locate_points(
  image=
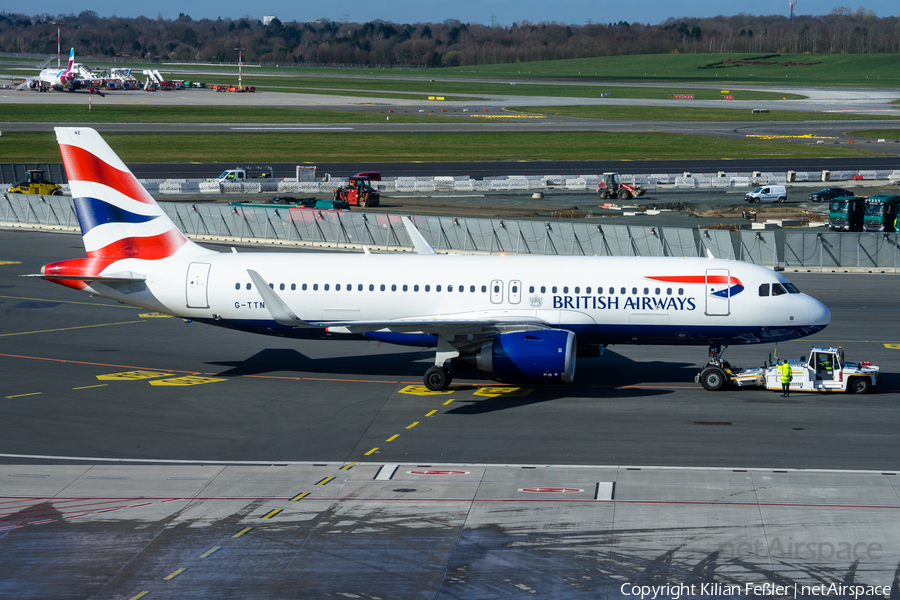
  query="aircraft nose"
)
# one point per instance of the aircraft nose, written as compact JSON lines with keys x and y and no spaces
{"x":818,"y":313}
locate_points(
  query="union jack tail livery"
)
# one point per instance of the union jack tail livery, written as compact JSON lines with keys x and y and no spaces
{"x":119,"y":220}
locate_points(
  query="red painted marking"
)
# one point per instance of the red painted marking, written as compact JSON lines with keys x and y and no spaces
{"x":550,"y":490}
{"x":81,"y":165}
{"x":431,"y":472}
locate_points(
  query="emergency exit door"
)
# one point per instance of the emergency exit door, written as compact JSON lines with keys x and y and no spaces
{"x":197,"y":280}
{"x":718,"y":292}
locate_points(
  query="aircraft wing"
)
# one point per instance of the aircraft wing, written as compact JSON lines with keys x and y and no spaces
{"x":436,"y":326}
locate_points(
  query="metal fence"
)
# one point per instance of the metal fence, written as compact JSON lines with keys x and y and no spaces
{"x":283,"y":225}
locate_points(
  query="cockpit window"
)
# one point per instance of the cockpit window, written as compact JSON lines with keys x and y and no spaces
{"x":764,"y":289}
{"x":790,"y":287}
{"x":777,"y":290}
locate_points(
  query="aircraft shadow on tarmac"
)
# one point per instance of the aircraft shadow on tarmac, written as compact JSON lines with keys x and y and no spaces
{"x":275,"y":360}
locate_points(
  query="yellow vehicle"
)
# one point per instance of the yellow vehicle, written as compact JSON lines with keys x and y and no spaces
{"x":36,"y":184}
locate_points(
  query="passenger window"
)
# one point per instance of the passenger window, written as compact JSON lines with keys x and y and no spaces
{"x":405,"y":287}
{"x":427,"y":288}
{"x":587,"y":290}
{"x":349,"y":287}
{"x":359,"y":288}
{"x":293,"y":287}
{"x":281,"y":286}
{"x":553,"y":289}
{"x":382,"y":287}
{"x":543,"y":289}
{"x":371,"y":287}
{"x":272,"y":286}
{"x":600,"y":290}
{"x":315,"y":287}
{"x":393,"y":287}
{"x":577,"y":290}
{"x":565,"y":289}
{"x":530,"y":289}
{"x":634,"y":291}
{"x":515,"y":289}
{"x":437,"y":288}
{"x":777,"y":290}
{"x":304,"y":287}
{"x":483,"y":289}
{"x":764,"y":289}
{"x":237,"y":286}
{"x":326,"y":287}
{"x":657,"y":291}
{"x":416,"y":288}
{"x":622,"y":290}
{"x":646,"y":291}
{"x":449,"y":288}
{"x":668,"y":291}
{"x":337,"y":287}
{"x":248,"y":286}
{"x":681,"y":291}
{"x":472,"y":288}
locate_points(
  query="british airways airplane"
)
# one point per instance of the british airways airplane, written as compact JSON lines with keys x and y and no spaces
{"x":521,"y":318}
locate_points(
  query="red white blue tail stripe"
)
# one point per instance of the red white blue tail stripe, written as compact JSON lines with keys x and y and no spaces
{"x":118,"y":218}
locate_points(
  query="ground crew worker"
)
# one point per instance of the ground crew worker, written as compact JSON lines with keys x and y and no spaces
{"x":786,"y":374}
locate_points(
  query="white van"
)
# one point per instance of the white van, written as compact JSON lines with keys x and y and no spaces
{"x":767,"y":193}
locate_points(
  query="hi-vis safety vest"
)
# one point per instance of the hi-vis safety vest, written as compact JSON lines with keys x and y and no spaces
{"x":785,"y":373}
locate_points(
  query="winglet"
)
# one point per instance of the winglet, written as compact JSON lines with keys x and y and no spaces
{"x":280,"y":311}
{"x":421,"y":244}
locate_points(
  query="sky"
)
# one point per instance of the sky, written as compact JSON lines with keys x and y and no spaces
{"x":503,"y":12}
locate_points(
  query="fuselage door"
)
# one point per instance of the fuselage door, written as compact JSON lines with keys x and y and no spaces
{"x":197,"y":279}
{"x":496,"y":291}
{"x":718,"y":292}
{"x":515,"y":292}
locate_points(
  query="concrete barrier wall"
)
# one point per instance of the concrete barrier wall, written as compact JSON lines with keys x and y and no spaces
{"x":792,"y":249}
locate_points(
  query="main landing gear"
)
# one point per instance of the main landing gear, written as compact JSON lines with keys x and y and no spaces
{"x":437,"y":379}
{"x":713,"y":377}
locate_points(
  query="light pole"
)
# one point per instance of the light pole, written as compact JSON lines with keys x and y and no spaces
{"x":240,"y":64}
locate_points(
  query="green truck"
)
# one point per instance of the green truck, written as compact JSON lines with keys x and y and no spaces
{"x":881,"y":213}
{"x":846,"y":213}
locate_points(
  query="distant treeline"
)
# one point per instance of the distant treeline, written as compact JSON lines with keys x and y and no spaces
{"x":450,"y":43}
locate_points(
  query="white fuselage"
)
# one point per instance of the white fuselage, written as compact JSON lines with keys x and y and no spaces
{"x":602,"y":299}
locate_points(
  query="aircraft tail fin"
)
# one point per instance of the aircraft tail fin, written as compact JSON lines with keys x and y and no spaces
{"x":71,"y":61}
{"x":118,"y":218}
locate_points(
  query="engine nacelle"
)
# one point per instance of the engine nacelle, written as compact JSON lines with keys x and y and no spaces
{"x":541,"y":355}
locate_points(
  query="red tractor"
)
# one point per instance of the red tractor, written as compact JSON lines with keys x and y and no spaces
{"x":610,"y":187}
{"x":359,"y":191}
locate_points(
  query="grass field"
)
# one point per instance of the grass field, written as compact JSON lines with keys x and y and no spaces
{"x":887,"y":134}
{"x":328,"y":147}
{"x":30,"y":113}
{"x":871,"y":70}
{"x":677,"y":113}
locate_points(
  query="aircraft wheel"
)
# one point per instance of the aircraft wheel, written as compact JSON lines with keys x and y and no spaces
{"x":713,"y":379}
{"x":624,"y":195}
{"x":437,"y":379}
{"x":858,"y":385}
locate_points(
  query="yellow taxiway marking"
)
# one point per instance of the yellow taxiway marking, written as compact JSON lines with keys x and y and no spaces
{"x":210,"y":551}
{"x":272,"y":513}
{"x":87,"y":387}
{"x":69,"y":328}
{"x":299,"y":496}
{"x":132,"y":375}
{"x":10,"y":262}
{"x":413,"y":425}
{"x":509,"y":392}
{"x":421,"y":390}
{"x":141,"y":595}
{"x":154,"y":315}
{"x":188,"y":380}
{"x":347,"y":467}
{"x":393,"y":437}
{"x":242,"y":532}
{"x":67,"y":302}
{"x":892,"y":346}
{"x":372,"y":451}
{"x":31,"y":394}
{"x":448,"y":401}
{"x":174,"y":574}
{"x":431,"y":413}
{"x":326,"y":480}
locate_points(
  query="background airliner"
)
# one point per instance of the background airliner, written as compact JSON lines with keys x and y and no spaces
{"x":54,"y":78}
{"x":522,"y":318}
